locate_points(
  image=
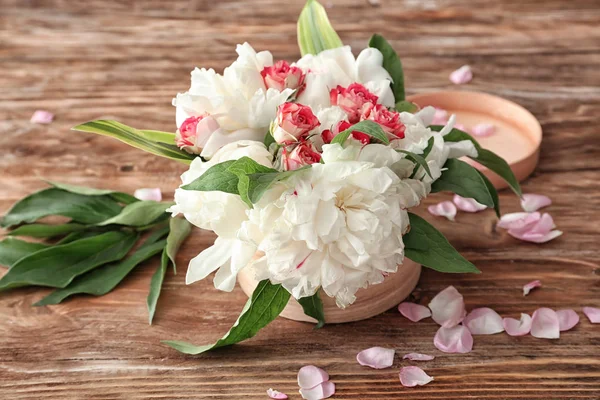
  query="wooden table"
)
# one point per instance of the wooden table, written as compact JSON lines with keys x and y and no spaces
{"x":126,"y":60}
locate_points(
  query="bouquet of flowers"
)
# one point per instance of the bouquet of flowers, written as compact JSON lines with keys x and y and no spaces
{"x":307,"y":173}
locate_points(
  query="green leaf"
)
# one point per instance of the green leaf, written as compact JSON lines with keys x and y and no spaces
{"x":139,"y":214}
{"x":266,"y":303}
{"x":12,"y":250}
{"x":53,"y":201}
{"x":156,"y":285}
{"x":46,"y":230}
{"x":417,"y":159}
{"x":485,"y":157}
{"x":244,"y":167}
{"x":464,"y":180}
{"x":135,"y":138}
{"x":88,"y":191}
{"x":371,"y":128}
{"x":260,"y":182}
{"x":427,"y":246}
{"x":313,"y":307}
{"x":391,"y":63}
{"x":158,"y":136}
{"x":58,"y":265}
{"x":180,"y":228}
{"x":216,"y":178}
{"x":315,"y":32}
{"x":493,"y":192}
{"x":407,"y":106}
{"x":71,"y":237}
{"x":268,"y":140}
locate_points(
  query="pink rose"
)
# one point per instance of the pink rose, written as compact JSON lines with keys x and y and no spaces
{"x":355,"y":100}
{"x":388,"y":120}
{"x":194,"y":132}
{"x":294,"y":122}
{"x":303,"y":154}
{"x":283,"y":76}
{"x":328,"y":134}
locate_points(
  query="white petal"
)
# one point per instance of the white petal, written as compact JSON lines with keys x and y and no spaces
{"x":310,"y":376}
{"x":467,"y":205}
{"x":417,"y":357}
{"x":153,"y":194}
{"x":532,"y":202}
{"x":545,"y":324}
{"x":209,"y":260}
{"x":376,"y":357}
{"x":444,"y":209}
{"x":531,"y":285}
{"x":567,"y":319}
{"x":414,"y":376}
{"x":515,"y":327}
{"x":461,"y":149}
{"x":448,"y":307}
{"x":414,"y":312}
{"x":457,"y":339}
{"x":483,"y":321}
{"x":321,"y":391}
{"x":593,"y":314}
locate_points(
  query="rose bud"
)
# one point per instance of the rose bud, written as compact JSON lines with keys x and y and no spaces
{"x":194,"y":132}
{"x":283,"y":76}
{"x":328,"y":134}
{"x":294,"y":122}
{"x":388,"y":120}
{"x":355,"y":100}
{"x":303,"y":154}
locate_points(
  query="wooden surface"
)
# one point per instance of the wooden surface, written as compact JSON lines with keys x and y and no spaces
{"x":126,"y":60}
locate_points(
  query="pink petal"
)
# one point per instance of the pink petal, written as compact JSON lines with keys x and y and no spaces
{"x":593,"y":314}
{"x":414,"y":312}
{"x":567,"y":319}
{"x":530,"y":230}
{"x":444,"y":209}
{"x":274,"y":394}
{"x":468,"y":205}
{"x":515,"y":327}
{"x":531,"y":285}
{"x":376,"y":357}
{"x":483,"y":130}
{"x":41,"y":117}
{"x":321,"y":391}
{"x":310,"y":376}
{"x":414,"y":376}
{"x":533,"y":202}
{"x":483,"y":321}
{"x":519,"y":220}
{"x":535,"y":237}
{"x":461,"y":75}
{"x":440,"y":117}
{"x":148,"y":194}
{"x":461,"y":127}
{"x":544,"y":324}
{"x":417,"y":357}
{"x":448,"y":307}
{"x":457,"y":339}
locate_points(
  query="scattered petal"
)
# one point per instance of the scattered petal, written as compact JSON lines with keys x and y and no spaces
{"x":484,"y":321}
{"x":444,"y":209}
{"x":321,"y":391}
{"x":461,"y":75}
{"x":41,"y":117}
{"x":530,"y":286}
{"x":544,"y":324}
{"x":567,"y":319}
{"x":414,"y":312}
{"x":414,"y":376}
{"x":148,"y":194}
{"x":310,"y":376}
{"x":468,"y":205}
{"x":440,"y":117}
{"x":417,"y":357}
{"x":593,"y":314}
{"x":533,"y":202}
{"x":457,"y":339}
{"x":530,"y":227}
{"x":274,"y":394}
{"x":376,"y":357}
{"x":460,"y":127}
{"x":519,"y":220}
{"x":515,"y":327}
{"x":483,"y":130}
{"x":448,"y":307}
{"x":535,"y":237}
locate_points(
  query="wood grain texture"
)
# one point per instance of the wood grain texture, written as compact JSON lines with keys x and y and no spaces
{"x":126,"y":60}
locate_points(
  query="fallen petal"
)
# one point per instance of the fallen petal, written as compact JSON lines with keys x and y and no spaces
{"x":483,"y":130}
{"x":593,"y":314}
{"x":148,"y":194}
{"x":468,"y":205}
{"x":567,"y":319}
{"x":440,"y":117}
{"x":414,"y":376}
{"x":544,"y":324}
{"x":321,"y":391}
{"x":444,"y":209}
{"x":483,"y":321}
{"x":414,"y":312}
{"x":515,"y":327}
{"x":533,"y":202}
{"x":457,"y":339}
{"x":274,"y":394}
{"x":519,"y":220}
{"x":460,"y":127}
{"x":543,"y":226}
{"x":310,"y":376}
{"x":376,"y":357}
{"x":461,"y":75}
{"x":535,"y":237}
{"x":448,"y":307}
{"x":417,"y":357}
{"x":41,"y":117}
{"x":530,"y":286}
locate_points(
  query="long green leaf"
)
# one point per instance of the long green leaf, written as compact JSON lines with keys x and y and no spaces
{"x":57,"y":266}
{"x":156,"y":285}
{"x":121,"y":197}
{"x":244,"y":167}
{"x":392,"y":64}
{"x":260,"y":182}
{"x":417,"y":159}
{"x":315,"y":32}
{"x":427,"y":246}
{"x":12,"y":250}
{"x":493,"y":192}
{"x":371,"y":128}
{"x":158,"y":136}
{"x":46,"y":230}
{"x":462,"y":179}
{"x":139,"y":214}
{"x":313,"y":307}
{"x":266,"y":303}
{"x":216,"y":178}
{"x":180,"y":229}
{"x":407,"y":106}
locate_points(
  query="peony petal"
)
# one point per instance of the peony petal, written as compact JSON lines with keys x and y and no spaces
{"x":567,"y":319}
{"x":467,"y":205}
{"x":41,"y":117}
{"x":461,"y":75}
{"x":417,"y":357}
{"x":321,"y":391}
{"x":484,"y":321}
{"x":530,"y":286}
{"x":519,"y":220}
{"x":148,"y":194}
{"x":448,"y":307}
{"x":457,"y":339}
{"x":376,"y":357}
{"x":310,"y":376}
{"x":544,"y":324}
{"x":444,"y":209}
{"x":535,"y":237}
{"x":414,"y":312}
{"x":483,"y":130}
{"x":533,"y":202}
{"x":414,"y":376}
{"x":274,"y":394}
{"x":515,"y":327}
{"x":593,"y":314}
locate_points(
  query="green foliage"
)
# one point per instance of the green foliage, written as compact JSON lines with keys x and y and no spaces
{"x":393,"y":65}
{"x":12,"y":250}
{"x":371,"y":128}
{"x":464,"y":180}
{"x":313,"y":307}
